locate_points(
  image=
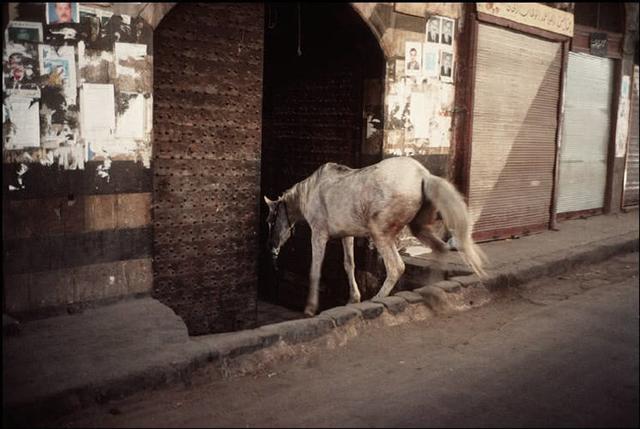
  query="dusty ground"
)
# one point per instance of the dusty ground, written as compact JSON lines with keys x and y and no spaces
{"x":557,"y":352}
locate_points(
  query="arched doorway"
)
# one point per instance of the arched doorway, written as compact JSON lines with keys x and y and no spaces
{"x":211,"y":153}
{"x":323,"y":78}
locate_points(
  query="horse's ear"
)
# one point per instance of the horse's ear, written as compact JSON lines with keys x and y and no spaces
{"x":268,"y":201}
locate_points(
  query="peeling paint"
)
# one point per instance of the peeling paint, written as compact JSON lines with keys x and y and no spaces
{"x":103,"y":170}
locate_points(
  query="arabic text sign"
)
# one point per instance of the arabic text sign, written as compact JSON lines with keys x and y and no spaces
{"x":532,"y":14}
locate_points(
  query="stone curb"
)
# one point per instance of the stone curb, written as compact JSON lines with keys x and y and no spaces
{"x":441,"y":297}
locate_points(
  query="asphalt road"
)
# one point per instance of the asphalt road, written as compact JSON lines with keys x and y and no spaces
{"x":558,"y":352}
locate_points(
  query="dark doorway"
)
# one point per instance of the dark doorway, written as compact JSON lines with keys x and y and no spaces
{"x":321,"y":62}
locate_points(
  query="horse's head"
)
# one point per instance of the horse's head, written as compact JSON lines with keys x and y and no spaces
{"x":280,"y":228}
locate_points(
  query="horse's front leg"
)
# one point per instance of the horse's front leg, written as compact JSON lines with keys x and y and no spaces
{"x":318,"y":244}
{"x":349,"y":267}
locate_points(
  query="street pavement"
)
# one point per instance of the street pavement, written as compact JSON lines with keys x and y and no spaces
{"x":560,"y":351}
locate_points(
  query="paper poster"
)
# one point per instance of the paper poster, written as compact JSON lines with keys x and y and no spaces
{"x":447,"y":31}
{"x":62,"y":13}
{"x":433,"y":29}
{"x":419,"y":117}
{"x":23,"y":32}
{"x":97,"y":116}
{"x":60,"y":64}
{"x":24,"y":128}
{"x":20,"y":73}
{"x":431,"y":60}
{"x":446,"y":66}
{"x":131,"y":122}
{"x":413,"y":58}
{"x":132,"y":70}
{"x":622,"y":125}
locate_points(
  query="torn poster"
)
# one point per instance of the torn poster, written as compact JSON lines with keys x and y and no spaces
{"x":94,"y":66}
{"x":23,"y":127}
{"x":60,"y":65}
{"x":23,"y":32}
{"x":622,"y":128}
{"x":130,"y":122}
{"x":20,"y":74}
{"x":419,"y":117}
{"x":133,"y":68}
{"x":97,"y":117}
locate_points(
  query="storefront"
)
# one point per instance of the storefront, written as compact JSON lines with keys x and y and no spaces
{"x":630,"y":195}
{"x":589,"y":114}
{"x":516,"y":72}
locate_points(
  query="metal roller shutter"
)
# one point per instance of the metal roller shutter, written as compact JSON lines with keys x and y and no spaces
{"x":514,"y":132}
{"x":631,"y":170}
{"x":586,"y":133}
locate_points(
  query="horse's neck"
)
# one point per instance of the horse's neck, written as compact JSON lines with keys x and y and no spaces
{"x":295,"y":198}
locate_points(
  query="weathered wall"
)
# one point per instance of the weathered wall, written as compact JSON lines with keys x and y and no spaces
{"x":76,"y":168}
{"x":207,"y":139}
{"x":418,"y":104}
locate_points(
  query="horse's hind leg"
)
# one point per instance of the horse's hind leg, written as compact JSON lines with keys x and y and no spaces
{"x":393,"y":264}
{"x":349,"y":267}
{"x":421,"y":229}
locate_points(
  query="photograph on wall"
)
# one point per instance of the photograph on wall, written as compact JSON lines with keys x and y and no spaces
{"x":62,"y":13}
{"x":446,"y":66}
{"x":447,"y":31}
{"x":23,"y":32}
{"x":20,"y":69}
{"x":413,"y":58}
{"x":22,"y":125}
{"x":60,"y":65}
{"x":433,"y":30}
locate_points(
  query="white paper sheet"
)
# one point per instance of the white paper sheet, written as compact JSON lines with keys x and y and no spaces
{"x":25,"y":120}
{"x":125,"y":51}
{"x":97,"y":115}
{"x":131,"y":123}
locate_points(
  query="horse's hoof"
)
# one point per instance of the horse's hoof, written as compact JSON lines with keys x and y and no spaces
{"x":354,"y":300}
{"x":309,"y":311}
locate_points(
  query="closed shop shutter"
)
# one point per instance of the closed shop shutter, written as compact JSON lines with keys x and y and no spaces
{"x":586,"y":133}
{"x":514,"y":132}
{"x":631,"y":171}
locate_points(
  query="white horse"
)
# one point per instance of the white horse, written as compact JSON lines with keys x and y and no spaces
{"x":376,"y":202}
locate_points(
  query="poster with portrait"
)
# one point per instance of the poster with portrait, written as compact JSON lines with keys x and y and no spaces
{"x":447,"y":31}
{"x":413,"y":58}
{"x":23,"y":32}
{"x":433,"y":29}
{"x":446,"y":66}
{"x":62,"y":13}
{"x":20,"y":69}
{"x":60,"y":65}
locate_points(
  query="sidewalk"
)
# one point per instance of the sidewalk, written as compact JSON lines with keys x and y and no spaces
{"x":60,"y":364}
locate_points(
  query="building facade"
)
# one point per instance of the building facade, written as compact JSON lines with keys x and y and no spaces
{"x":139,"y":138}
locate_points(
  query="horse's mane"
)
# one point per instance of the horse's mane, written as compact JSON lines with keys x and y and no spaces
{"x":296,"y":197}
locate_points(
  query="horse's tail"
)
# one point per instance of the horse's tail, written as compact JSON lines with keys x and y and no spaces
{"x":448,"y":201}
